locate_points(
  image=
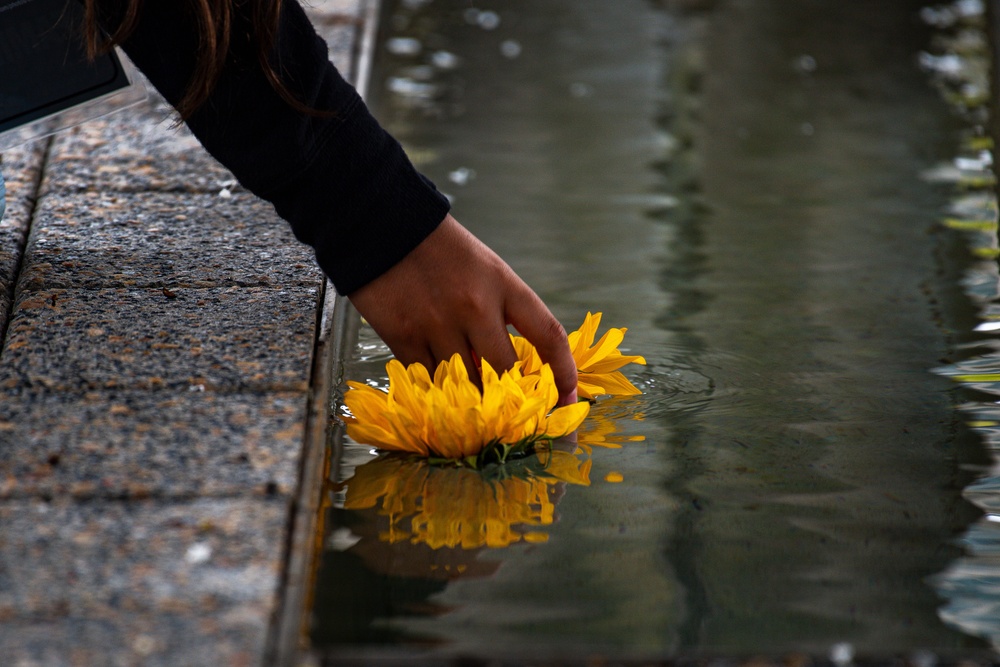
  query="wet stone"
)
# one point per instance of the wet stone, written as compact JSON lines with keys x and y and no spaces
{"x":134,"y":150}
{"x":139,"y":582}
{"x":217,"y":339}
{"x":97,"y":240}
{"x":142,"y":444}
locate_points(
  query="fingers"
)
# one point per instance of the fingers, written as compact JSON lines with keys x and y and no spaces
{"x":446,"y":346}
{"x":453,"y":294}
{"x":492,"y":343}
{"x":411,"y":352}
{"x":534,"y":321}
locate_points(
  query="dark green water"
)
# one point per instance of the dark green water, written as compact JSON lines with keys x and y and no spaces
{"x":739,"y":183}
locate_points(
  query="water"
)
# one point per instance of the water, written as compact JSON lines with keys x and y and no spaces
{"x":740,"y":184}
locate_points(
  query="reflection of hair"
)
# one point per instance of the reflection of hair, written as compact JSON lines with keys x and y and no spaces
{"x":214,"y":22}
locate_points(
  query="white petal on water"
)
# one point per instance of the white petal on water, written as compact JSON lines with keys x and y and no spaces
{"x":979,"y":163}
{"x":510,"y":48}
{"x":462,"y":175}
{"x":805,"y":64}
{"x":939,"y":17}
{"x":941,"y":173}
{"x":407,"y":87}
{"x":488,"y":20}
{"x":341,"y":539}
{"x":842,"y":654}
{"x":199,"y":552}
{"x":403,"y":46}
{"x":969,"y":8}
{"x":948,"y":64}
{"x":444,"y":60}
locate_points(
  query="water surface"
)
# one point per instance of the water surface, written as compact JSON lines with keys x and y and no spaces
{"x":738,"y":183}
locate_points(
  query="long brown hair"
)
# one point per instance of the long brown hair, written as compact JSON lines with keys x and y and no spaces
{"x":214,"y":19}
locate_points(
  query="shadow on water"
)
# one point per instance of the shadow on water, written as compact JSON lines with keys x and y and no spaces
{"x":739,"y":183}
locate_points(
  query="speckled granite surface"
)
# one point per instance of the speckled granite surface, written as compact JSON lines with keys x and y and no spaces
{"x":159,"y":330}
{"x":138,"y":582}
{"x":142,"y":444}
{"x":214,"y":339}
{"x":110,"y":239}
{"x":139,"y":150}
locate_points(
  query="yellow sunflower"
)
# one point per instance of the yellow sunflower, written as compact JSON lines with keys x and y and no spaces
{"x":596,"y":364}
{"x":449,"y":417}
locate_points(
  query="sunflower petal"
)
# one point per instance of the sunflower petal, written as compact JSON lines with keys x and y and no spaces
{"x":608,"y":345}
{"x":566,"y":419}
{"x":614,"y":384}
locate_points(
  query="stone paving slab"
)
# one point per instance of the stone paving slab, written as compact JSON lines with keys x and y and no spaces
{"x":136,"y":150}
{"x":153,"y":240}
{"x":150,"y":444}
{"x":219,"y":339}
{"x":144,"y":149}
{"x":154,"y":396}
{"x":163,"y":639}
{"x":153,"y":582}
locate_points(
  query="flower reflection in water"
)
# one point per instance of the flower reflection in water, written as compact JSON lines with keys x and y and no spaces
{"x":455,"y":507}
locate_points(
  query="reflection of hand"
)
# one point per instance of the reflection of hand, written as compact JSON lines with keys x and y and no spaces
{"x":453,"y":294}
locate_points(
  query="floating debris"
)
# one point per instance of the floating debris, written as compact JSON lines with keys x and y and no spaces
{"x":404,"y":46}
{"x":486,"y":19}
{"x":462,"y":175}
{"x":407,"y":87}
{"x":510,"y":48}
{"x":444,"y":60}
{"x":805,"y":64}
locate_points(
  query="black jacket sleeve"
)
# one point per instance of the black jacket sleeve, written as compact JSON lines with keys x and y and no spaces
{"x":341,"y":181}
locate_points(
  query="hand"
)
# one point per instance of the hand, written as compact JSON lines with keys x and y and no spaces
{"x":453,"y":294}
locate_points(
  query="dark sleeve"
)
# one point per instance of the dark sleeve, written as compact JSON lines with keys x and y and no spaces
{"x":341,"y":181}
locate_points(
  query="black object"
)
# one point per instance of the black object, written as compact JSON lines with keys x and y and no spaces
{"x":43,"y":66}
